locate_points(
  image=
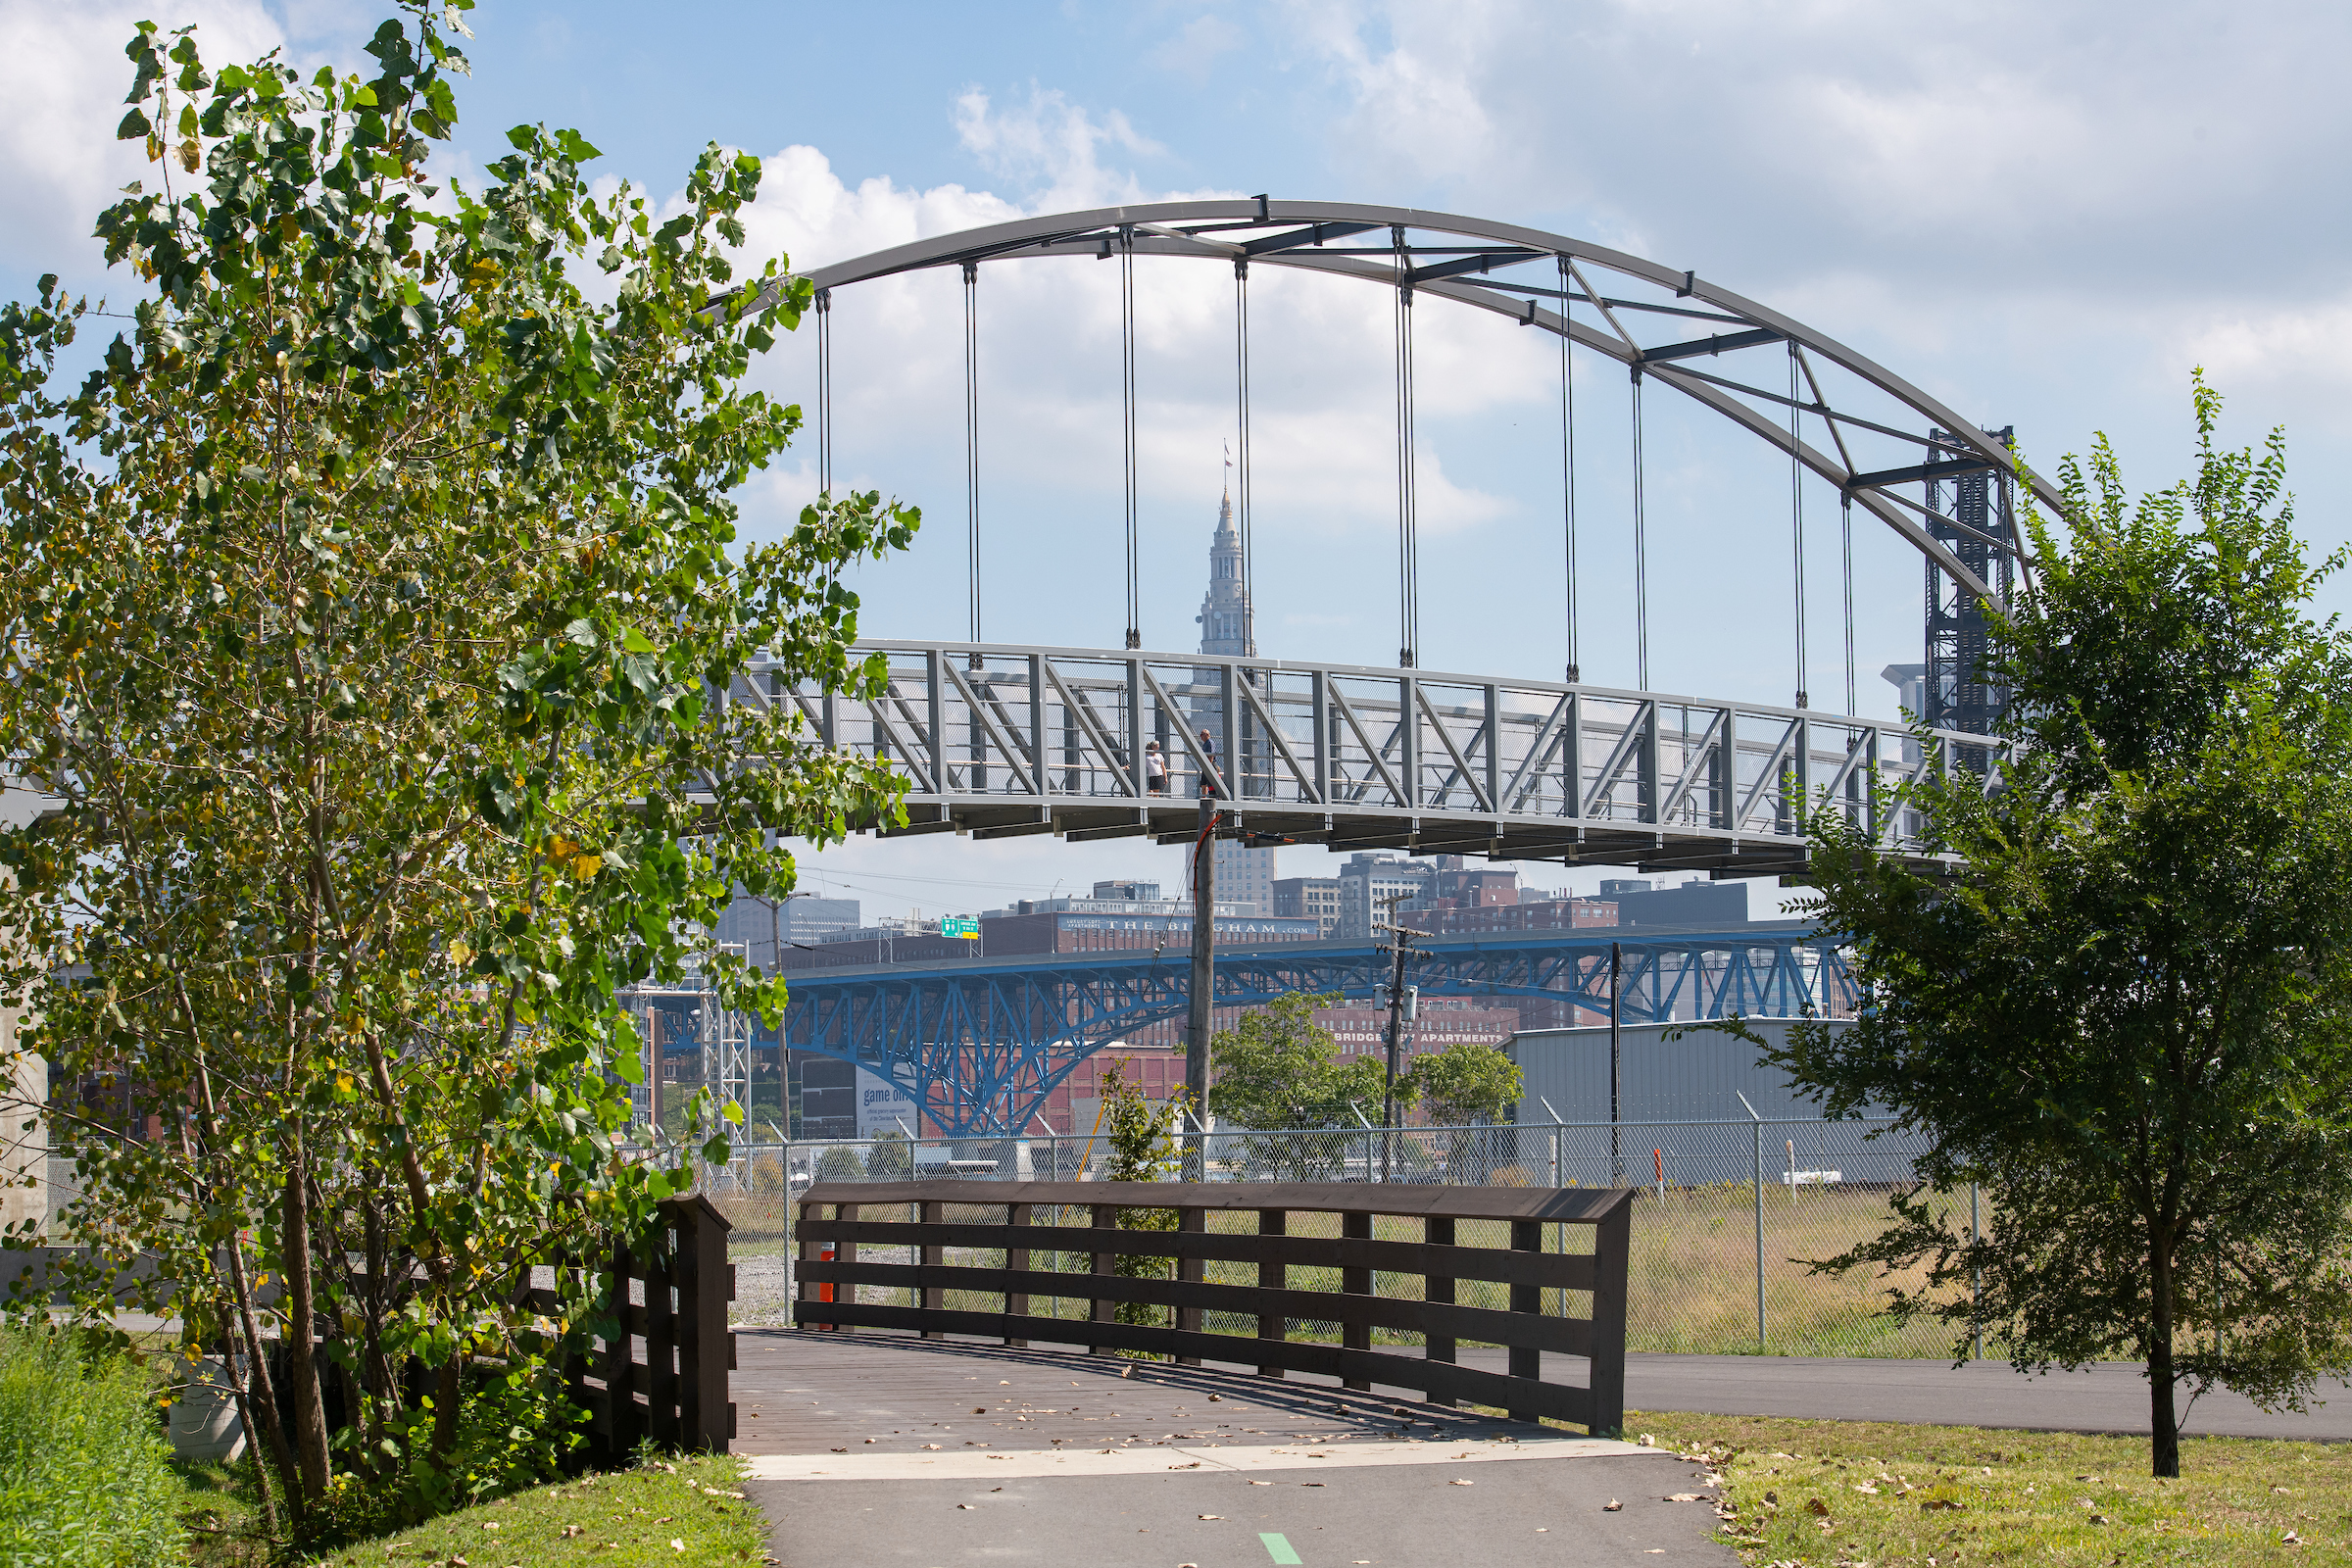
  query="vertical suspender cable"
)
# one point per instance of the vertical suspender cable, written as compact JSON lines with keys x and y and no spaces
{"x":1127,"y":352}
{"x":1846,"y":530}
{"x":971,"y":436}
{"x":1796,"y":525}
{"x":1241,"y":383}
{"x":1409,"y":553}
{"x":824,"y":391}
{"x":1568,"y":464}
{"x":1640,"y":553}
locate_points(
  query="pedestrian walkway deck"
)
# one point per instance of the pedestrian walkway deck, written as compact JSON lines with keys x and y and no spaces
{"x":933,"y":1452}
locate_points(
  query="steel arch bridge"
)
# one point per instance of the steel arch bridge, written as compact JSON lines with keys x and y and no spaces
{"x":996,"y":740}
{"x":980,"y":1044}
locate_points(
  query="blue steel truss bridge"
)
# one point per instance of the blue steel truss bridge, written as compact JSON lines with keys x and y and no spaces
{"x":980,"y":1044}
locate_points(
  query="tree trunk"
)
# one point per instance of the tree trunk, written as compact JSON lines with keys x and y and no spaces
{"x":2164,"y":1425}
{"x":449,"y":1391}
{"x":302,"y":1364}
{"x":262,"y":1387}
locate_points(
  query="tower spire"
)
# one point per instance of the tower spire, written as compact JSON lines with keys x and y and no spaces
{"x":1227,"y":625}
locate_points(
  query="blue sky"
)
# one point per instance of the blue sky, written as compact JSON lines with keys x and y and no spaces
{"x":2044,"y":215}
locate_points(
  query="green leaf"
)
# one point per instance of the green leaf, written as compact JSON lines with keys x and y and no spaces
{"x":135,"y":126}
{"x":635,"y":641}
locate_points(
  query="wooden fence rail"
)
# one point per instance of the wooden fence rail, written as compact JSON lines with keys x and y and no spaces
{"x":831,"y":1219}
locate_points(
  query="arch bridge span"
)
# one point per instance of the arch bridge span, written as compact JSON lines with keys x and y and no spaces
{"x":996,"y":741}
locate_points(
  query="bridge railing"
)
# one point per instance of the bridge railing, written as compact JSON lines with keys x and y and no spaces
{"x":1199,"y":1272}
{"x":1067,"y":730}
{"x":1726,"y":1217}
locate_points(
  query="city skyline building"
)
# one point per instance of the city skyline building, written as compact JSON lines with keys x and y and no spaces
{"x":1229,"y":626}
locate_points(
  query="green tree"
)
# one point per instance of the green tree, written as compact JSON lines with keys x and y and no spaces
{"x":1281,"y":1070}
{"x":1142,"y":1135}
{"x":2129,"y":1015}
{"x":840,"y":1164}
{"x":1460,"y":1087}
{"x":1464,"y":1083}
{"x":890,"y":1157}
{"x":373,"y":611}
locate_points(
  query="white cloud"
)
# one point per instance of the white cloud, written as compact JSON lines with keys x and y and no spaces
{"x":1049,"y":146}
{"x":1193,"y":50}
{"x":63,"y":75}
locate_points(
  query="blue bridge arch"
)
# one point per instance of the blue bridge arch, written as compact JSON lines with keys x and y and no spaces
{"x":980,"y":1044}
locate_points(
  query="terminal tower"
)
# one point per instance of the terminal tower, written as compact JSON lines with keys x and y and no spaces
{"x":1225,"y":620}
{"x":1244,"y":876}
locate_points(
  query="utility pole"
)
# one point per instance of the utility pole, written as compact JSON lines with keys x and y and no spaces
{"x":1204,"y":944}
{"x":1402,"y":938}
{"x":1616,"y":1063}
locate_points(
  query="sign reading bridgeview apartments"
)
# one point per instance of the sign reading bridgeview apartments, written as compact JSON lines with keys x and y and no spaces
{"x":1365,"y":1030}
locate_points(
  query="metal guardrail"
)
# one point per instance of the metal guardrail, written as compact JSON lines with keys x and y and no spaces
{"x":960,"y":1255}
{"x":998,"y":740}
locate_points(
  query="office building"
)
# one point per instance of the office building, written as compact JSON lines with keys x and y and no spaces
{"x":1314,"y":898}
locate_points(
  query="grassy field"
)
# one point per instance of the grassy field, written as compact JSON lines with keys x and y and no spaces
{"x":1691,"y":1272}
{"x":688,"y":1509}
{"x":1846,"y":1495}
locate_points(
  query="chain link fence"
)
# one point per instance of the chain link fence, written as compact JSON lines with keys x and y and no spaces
{"x":1728,"y":1216}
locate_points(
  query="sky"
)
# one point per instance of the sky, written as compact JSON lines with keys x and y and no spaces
{"x":2043,"y":215}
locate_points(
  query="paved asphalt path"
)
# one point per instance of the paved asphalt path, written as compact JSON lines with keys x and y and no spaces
{"x":907,"y":1453}
{"x":2108,"y":1398}
{"x":1522,"y":1511}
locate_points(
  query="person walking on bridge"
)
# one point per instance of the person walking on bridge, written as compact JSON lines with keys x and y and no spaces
{"x":1209,"y":765}
{"x":1156,"y":768}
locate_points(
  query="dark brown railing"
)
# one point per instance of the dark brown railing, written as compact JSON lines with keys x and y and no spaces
{"x":676,"y":1392}
{"x":830,"y":1220}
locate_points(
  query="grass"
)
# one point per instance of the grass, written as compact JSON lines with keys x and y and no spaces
{"x":683,"y":1509}
{"x":1939,"y":1496}
{"x":689,"y":1510}
{"x":1691,"y":1271}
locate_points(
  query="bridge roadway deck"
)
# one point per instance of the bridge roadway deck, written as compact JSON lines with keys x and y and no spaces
{"x":889,"y":1450}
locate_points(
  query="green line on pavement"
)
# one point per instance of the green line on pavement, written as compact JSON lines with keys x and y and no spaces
{"x":1278,"y":1547}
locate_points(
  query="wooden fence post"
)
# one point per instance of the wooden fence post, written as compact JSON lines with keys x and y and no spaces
{"x":1192,"y":1270}
{"x":931,"y":1297}
{"x":1355,"y":1335}
{"x":1527,"y":1235}
{"x":616,"y":1363}
{"x":1612,"y":1240}
{"x":1272,"y":1274}
{"x":660,"y":1271}
{"x":706,"y":1349}
{"x":1016,"y":1261}
{"x":1438,"y":1231}
{"x":1105,"y":1216}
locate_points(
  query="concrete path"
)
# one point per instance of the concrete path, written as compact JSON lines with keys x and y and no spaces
{"x":926,"y":1454}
